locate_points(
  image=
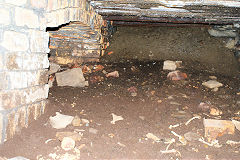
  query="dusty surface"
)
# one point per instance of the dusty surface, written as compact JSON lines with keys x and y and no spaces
{"x":190,"y":44}
{"x":159,"y":103}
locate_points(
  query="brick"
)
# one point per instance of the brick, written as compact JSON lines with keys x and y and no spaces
{"x":11,"y":125}
{"x":14,"y":41}
{"x":30,"y":113}
{"x":16,"y":2}
{"x":7,"y":100}
{"x":52,"y":5}
{"x":22,"y":113}
{"x":5,"y":16}
{"x":1,"y":128}
{"x":4,"y":81}
{"x":30,"y":18}
{"x":15,"y":80}
{"x":37,"y":112}
{"x":44,"y":104}
{"x":39,"y":41}
{"x":13,"y":61}
{"x":39,"y":3}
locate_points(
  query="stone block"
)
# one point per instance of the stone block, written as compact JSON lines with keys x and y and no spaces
{"x":15,"y":41}
{"x":4,"y":81}
{"x":30,"y":113}
{"x":11,"y":125}
{"x":13,"y":61}
{"x":16,"y":2}
{"x":37,"y":112}
{"x":43,"y":77}
{"x":44,"y":104}
{"x":39,"y":41}
{"x":15,"y":80}
{"x":37,"y":93}
{"x":1,"y":62}
{"x":5,"y":16}
{"x":52,"y":5}
{"x":38,"y":3}
{"x":30,"y":19}
{"x":22,"y":113}
{"x":73,"y":77}
{"x":1,"y":128}
{"x":10,"y":99}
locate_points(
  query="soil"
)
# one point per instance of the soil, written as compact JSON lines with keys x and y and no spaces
{"x":189,"y":44}
{"x":151,"y":105}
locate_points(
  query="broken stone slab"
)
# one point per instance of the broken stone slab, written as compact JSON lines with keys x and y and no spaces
{"x":171,"y":65}
{"x":216,"y":128}
{"x":60,"y":120}
{"x":74,"y":135}
{"x":71,"y":77}
{"x":54,"y":68}
{"x":212,"y":84}
{"x":222,"y":33}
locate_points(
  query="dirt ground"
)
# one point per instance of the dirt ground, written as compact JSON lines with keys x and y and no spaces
{"x":148,"y":103}
{"x":189,"y":44}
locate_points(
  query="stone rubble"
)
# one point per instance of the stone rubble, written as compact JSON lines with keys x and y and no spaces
{"x":71,"y":77}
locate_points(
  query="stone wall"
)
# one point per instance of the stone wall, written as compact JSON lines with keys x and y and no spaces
{"x":24,"y":59}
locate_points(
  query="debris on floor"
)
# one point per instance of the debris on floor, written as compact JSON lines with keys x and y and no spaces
{"x":153,"y":137}
{"x":212,"y":84}
{"x":176,"y":75}
{"x":67,"y":144}
{"x":113,"y":74}
{"x":71,"y":77}
{"x":171,"y":65}
{"x":217,"y":128}
{"x":116,"y":118}
{"x":60,"y":120}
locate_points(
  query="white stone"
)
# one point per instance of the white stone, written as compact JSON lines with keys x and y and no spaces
{"x":14,"y":41}
{"x":224,"y":33}
{"x":231,"y":43}
{"x":5,"y":17}
{"x":60,"y":120}
{"x":72,"y":77}
{"x":17,"y":2}
{"x":169,"y":65}
{"x":26,"y":17}
{"x":212,"y":84}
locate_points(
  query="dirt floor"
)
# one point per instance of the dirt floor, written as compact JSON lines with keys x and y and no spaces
{"x":149,"y":104}
{"x":156,"y":104}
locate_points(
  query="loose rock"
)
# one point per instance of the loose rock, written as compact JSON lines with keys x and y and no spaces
{"x":223,"y":33}
{"x":212,"y":84}
{"x":113,"y":74}
{"x":67,"y":144}
{"x":169,"y":65}
{"x":72,"y":77}
{"x":53,"y":68}
{"x":60,"y":121}
{"x":215,"y":128}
